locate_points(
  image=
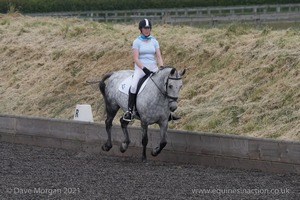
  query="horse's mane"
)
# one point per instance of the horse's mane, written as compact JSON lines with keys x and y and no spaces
{"x":165,"y":67}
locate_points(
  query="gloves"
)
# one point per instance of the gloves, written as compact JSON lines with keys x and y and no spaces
{"x":147,"y":71}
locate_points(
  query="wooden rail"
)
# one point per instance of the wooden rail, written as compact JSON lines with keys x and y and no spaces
{"x":258,"y":13}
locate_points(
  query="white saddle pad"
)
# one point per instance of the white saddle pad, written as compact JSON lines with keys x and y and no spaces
{"x":126,"y":83}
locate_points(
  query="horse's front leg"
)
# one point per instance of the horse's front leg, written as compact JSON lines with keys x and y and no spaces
{"x":163,"y":138}
{"x":144,"y":140}
{"x":126,"y":142}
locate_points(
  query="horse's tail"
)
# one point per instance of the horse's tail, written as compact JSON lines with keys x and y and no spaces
{"x":102,"y":83}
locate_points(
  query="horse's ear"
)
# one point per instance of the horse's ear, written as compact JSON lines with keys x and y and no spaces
{"x":173,"y":71}
{"x":182,"y":73}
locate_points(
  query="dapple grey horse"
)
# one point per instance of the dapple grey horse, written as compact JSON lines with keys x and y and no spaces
{"x":154,"y":104}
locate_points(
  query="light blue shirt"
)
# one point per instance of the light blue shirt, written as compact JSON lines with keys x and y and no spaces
{"x":146,"y":50}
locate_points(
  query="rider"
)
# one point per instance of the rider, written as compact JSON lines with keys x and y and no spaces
{"x":144,"y":48}
{"x":146,"y":54}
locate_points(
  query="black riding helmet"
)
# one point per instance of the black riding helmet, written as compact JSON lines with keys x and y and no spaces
{"x":145,"y":23}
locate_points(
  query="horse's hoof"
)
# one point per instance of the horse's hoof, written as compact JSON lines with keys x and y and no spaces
{"x":123,"y":147}
{"x":106,"y":147}
{"x":154,"y":154}
{"x":122,"y":150}
{"x":144,"y":159}
{"x":155,"y":151}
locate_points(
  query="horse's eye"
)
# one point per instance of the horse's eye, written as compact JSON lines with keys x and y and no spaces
{"x":170,"y":86}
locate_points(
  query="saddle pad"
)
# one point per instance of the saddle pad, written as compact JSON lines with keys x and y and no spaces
{"x":126,"y":83}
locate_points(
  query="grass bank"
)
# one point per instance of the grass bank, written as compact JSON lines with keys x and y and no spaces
{"x":239,"y":80}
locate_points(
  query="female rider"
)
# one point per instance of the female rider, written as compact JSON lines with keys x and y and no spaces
{"x":145,"y":49}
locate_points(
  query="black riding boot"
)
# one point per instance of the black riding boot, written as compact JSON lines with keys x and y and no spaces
{"x":128,"y":115}
{"x":173,"y":117}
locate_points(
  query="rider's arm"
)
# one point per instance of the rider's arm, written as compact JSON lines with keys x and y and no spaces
{"x":159,"y":57}
{"x":136,"y":58}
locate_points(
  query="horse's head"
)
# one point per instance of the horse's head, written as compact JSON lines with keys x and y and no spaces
{"x":173,"y":85}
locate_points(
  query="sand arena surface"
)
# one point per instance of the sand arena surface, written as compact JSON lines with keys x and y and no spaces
{"x":30,"y":172}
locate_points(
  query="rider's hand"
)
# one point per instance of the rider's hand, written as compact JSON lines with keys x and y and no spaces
{"x":147,"y":71}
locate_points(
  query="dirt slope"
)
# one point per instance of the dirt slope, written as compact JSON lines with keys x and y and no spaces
{"x":239,"y":80}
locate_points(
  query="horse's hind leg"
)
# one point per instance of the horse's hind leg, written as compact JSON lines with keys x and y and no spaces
{"x":111,"y":113}
{"x":126,"y":142}
{"x":144,"y":140}
{"x":163,"y":138}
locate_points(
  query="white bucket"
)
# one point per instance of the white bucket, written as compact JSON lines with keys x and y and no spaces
{"x":83,"y":112}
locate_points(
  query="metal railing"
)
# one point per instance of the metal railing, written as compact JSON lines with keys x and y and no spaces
{"x":212,"y":15}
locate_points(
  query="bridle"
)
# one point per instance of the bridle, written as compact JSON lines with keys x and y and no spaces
{"x":167,"y":84}
{"x":165,"y":93}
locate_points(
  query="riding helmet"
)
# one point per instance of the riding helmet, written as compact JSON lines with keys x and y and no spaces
{"x":145,"y":23}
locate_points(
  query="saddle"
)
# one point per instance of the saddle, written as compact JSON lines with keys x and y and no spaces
{"x":126,"y":83}
{"x":140,"y":83}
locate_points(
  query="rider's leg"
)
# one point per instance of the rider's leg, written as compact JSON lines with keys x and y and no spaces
{"x":128,"y":115}
{"x":138,"y":74}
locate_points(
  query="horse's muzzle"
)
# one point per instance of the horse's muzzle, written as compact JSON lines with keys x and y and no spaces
{"x":173,"y":106}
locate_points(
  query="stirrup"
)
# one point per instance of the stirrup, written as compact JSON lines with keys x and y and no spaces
{"x":128,"y":116}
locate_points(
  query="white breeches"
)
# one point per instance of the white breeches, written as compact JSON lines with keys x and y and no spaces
{"x":138,"y":74}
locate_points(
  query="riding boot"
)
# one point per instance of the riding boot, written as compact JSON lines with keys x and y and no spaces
{"x":173,"y":117}
{"x":128,"y":115}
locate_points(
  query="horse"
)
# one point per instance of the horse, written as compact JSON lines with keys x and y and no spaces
{"x":154,"y":104}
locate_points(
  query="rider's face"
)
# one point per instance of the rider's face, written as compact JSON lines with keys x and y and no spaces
{"x":146,"y":31}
